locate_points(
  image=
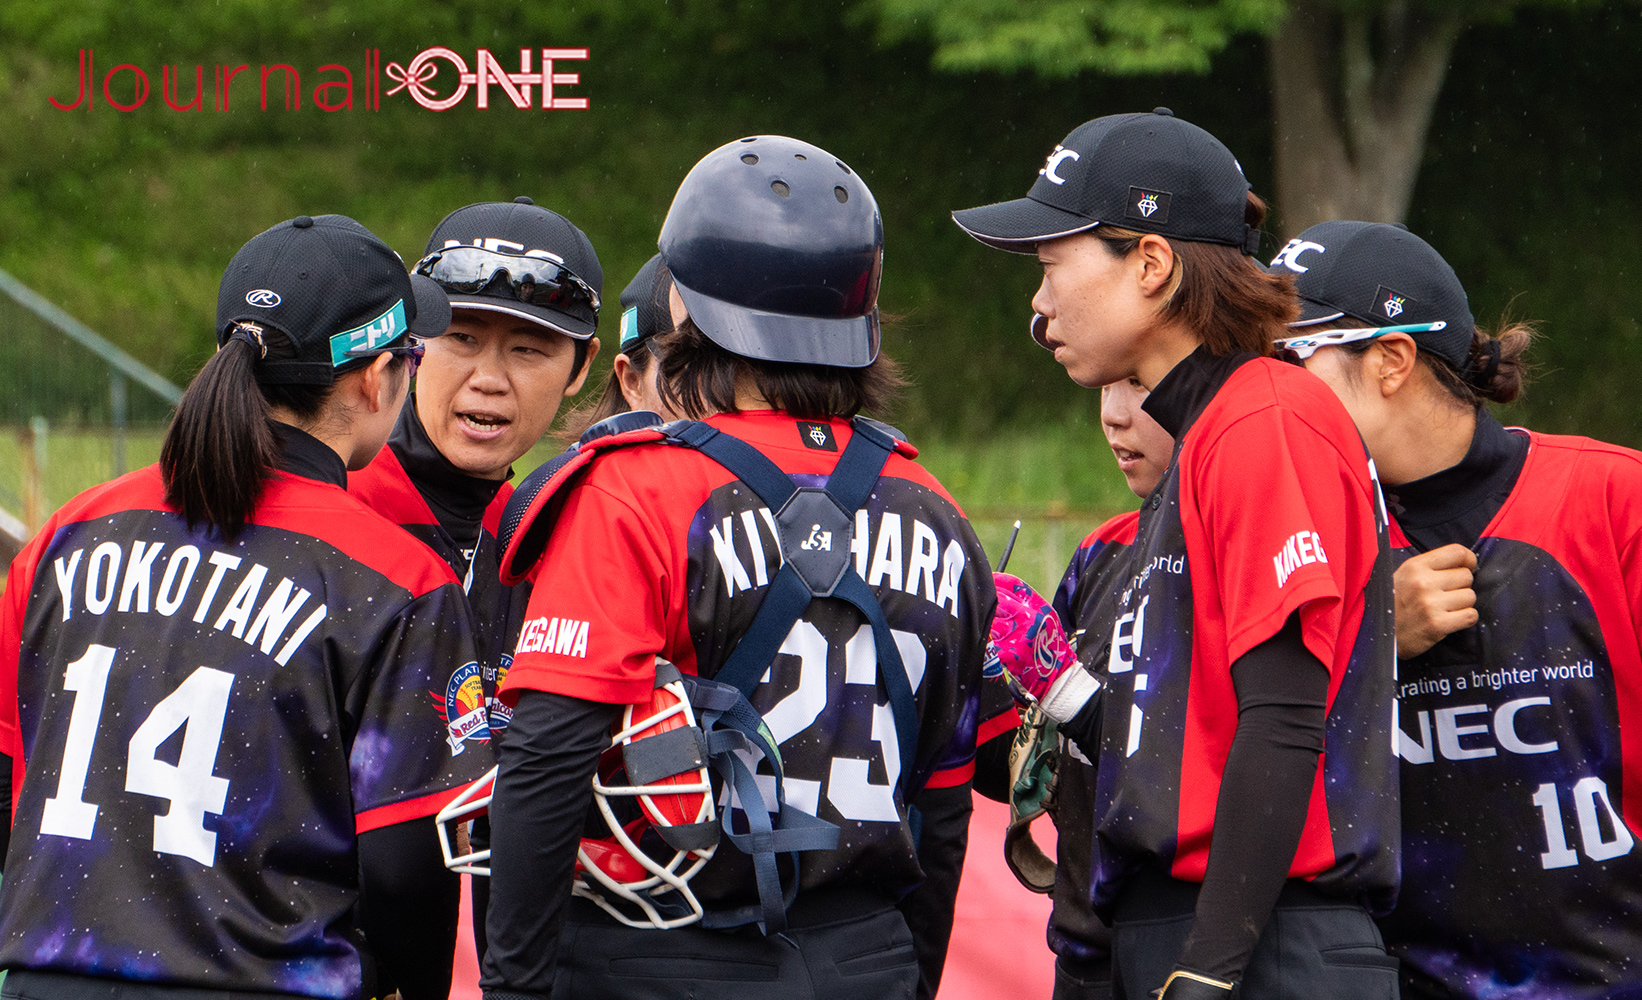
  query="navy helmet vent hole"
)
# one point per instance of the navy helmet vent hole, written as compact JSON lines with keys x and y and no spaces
{"x":799,"y":156}
{"x":841,"y":195}
{"x":781,"y":188}
{"x":841,"y":166}
{"x":749,"y":158}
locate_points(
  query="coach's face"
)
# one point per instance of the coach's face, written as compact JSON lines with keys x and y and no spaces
{"x":489,"y":388}
{"x":1101,"y":306}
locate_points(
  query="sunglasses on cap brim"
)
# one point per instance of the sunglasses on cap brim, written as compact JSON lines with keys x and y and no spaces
{"x":537,"y":281}
{"x":1298,"y":349}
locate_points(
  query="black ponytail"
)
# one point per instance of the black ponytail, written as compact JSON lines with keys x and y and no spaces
{"x":220,"y":449}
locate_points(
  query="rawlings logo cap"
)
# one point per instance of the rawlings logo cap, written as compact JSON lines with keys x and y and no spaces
{"x":330,"y":285}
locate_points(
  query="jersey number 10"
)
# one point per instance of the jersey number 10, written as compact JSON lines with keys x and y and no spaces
{"x":201,"y":703}
{"x":1588,"y":793}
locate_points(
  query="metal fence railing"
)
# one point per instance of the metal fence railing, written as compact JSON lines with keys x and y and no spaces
{"x":75,"y":410}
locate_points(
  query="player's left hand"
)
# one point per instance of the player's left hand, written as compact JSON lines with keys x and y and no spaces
{"x":1029,"y":645}
{"x":1183,"y":984}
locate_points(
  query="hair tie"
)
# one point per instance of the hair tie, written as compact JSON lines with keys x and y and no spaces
{"x":1491,"y":368}
{"x":251,"y":334}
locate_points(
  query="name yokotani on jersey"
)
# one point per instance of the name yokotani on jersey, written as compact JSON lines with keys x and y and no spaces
{"x":210,"y":586}
{"x":903,"y":554}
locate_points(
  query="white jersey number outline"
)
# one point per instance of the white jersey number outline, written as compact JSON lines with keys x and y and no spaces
{"x":848,"y":786}
{"x":200,"y":702}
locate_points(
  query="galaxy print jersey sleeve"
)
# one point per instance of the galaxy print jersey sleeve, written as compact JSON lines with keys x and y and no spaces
{"x":406,"y":759}
{"x":14,"y":601}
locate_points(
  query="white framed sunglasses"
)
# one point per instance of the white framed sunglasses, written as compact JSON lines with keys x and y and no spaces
{"x":1298,"y":349}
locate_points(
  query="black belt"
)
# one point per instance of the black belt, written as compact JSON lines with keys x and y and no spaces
{"x":1149,"y":894}
{"x":812,"y":908}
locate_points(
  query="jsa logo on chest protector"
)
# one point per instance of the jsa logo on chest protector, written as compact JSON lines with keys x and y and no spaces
{"x":1302,"y":549}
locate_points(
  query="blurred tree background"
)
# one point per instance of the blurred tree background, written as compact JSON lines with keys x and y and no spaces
{"x":1524,"y":180}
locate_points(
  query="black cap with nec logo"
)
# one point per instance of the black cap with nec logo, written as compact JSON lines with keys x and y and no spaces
{"x":521,"y":228}
{"x":1382,"y":275}
{"x":1152,"y":173}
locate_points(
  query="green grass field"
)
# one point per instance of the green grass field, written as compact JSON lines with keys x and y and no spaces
{"x":1059,"y":481}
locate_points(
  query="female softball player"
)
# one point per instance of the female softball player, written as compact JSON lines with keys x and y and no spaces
{"x":1256,"y":626}
{"x":1518,"y":597}
{"x":1086,"y":602}
{"x":647,"y":309}
{"x":786,"y":558}
{"x":650,"y":306}
{"x":217,"y":674}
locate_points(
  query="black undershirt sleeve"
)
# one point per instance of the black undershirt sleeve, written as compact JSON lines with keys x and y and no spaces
{"x":1084,"y":727}
{"x":943,"y":840}
{"x":408,"y":907}
{"x":5,"y":790}
{"x":544,"y":789}
{"x":1265,"y":792}
{"x":992,"y":766}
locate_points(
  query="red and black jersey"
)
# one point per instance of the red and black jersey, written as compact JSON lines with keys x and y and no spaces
{"x":1521,"y":747}
{"x":200,"y":728}
{"x":1269,"y":509}
{"x":405,"y":482}
{"x":1086,"y":601}
{"x":660,"y":551}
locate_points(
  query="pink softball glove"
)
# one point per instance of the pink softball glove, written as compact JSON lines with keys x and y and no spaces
{"x":1029,"y":645}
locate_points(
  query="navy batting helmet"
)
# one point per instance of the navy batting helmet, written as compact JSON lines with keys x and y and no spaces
{"x":777,"y":248}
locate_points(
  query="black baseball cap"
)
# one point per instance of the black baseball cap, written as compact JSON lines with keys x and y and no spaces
{"x":645,"y":311}
{"x":1152,"y":173}
{"x":340,"y":294}
{"x":1379,"y":274}
{"x":523,"y":228}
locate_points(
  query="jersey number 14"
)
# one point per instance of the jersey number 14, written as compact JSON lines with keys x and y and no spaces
{"x":201,"y":703}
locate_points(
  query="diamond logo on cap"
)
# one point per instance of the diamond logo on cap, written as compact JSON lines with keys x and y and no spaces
{"x":1389,"y":302}
{"x":1148,"y":205}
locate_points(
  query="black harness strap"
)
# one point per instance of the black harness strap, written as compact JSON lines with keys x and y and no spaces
{"x":790,"y":593}
{"x":815,"y":529}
